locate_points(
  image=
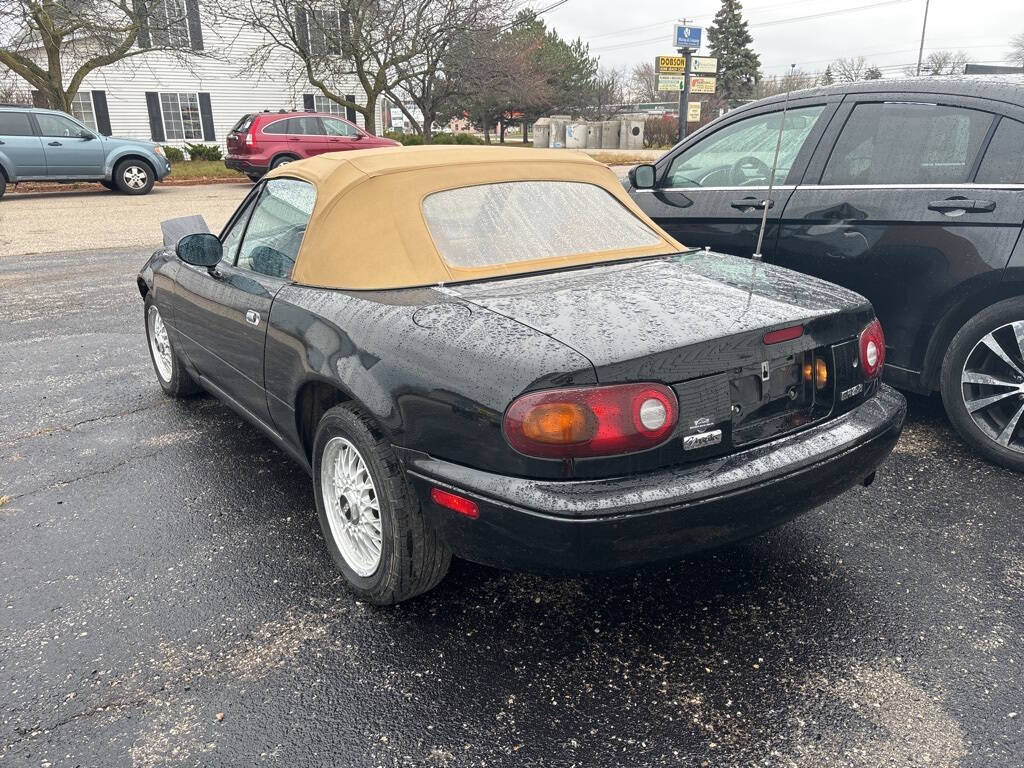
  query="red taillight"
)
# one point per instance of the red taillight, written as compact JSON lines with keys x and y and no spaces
{"x":577,"y":422}
{"x":783,"y":334}
{"x":248,"y":139}
{"x":872,"y":349}
{"x":456,"y":503}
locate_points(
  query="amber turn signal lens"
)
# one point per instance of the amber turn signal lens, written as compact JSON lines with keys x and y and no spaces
{"x":558,"y":423}
{"x":816,"y":372}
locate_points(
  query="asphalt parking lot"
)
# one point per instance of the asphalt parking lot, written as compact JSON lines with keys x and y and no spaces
{"x":167,"y":599}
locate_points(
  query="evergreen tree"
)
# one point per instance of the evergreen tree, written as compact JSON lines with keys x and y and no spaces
{"x":828,"y":78}
{"x":872,"y":73}
{"x":739,"y":68}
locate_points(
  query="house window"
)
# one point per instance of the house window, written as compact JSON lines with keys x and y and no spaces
{"x":325,"y":30}
{"x":323,"y":104}
{"x":82,"y":108}
{"x":168,"y":23}
{"x":182,"y":120}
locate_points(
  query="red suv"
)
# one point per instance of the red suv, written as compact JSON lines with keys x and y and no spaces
{"x":265,"y":140}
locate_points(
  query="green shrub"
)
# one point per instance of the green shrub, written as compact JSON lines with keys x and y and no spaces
{"x":408,"y":139}
{"x":203,"y":152}
{"x":174,"y":154}
{"x":456,"y":138}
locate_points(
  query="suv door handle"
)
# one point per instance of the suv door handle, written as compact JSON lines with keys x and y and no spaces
{"x":252,"y":317}
{"x":56,"y":144}
{"x":951,"y":205}
{"x":750,"y":203}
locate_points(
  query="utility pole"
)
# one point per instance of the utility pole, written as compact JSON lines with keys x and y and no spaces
{"x":920,"y":51}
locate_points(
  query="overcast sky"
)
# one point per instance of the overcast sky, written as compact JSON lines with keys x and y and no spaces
{"x":886,"y":32}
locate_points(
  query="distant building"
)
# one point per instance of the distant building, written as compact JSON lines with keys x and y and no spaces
{"x":197,"y":99}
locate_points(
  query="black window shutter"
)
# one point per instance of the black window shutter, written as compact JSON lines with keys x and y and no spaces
{"x":99,"y":103}
{"x":38,"y":100}
{"x":301,"y":29}
{"x":344,"y":31}
{"x":349,"y":112}
{"x":156,"y":123}
{"x":308,"y":102}
{"x":142,"y":13}
{"x":195,"y":27}
{"x":206,"y":115}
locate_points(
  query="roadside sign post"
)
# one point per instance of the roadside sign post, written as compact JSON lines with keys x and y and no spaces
{"x":686,"y":40}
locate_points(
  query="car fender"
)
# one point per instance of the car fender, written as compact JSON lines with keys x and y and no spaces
{"x":114,"y":156}
{"x":8,"y":168}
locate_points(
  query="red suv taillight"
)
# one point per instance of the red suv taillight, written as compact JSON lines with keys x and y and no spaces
{"x":578,"y":422}
{"x":872,"y":349}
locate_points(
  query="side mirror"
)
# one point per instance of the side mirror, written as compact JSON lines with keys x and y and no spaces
{"x":359,"y":136}
{"x":200,"y":249}
{"x":88,"y":136}
{"x":642,"y":176}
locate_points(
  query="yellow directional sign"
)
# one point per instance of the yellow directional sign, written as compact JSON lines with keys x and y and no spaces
{"x":693,"y":111}
{"x":702,"y":84}
{"x":670,"y":64}
{"x":703,"y":65}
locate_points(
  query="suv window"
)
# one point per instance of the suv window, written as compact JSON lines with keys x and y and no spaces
{"x":334,"y":127}
{"x":243,"y":124}
{"x":295,"y":126}
{"x":276,"y":227}
{"x":15,"y":124}
{"x":741,"y":154}
{"x":907,"y":144}
{"x":1004,"y":158}
{"x":57,"y":126}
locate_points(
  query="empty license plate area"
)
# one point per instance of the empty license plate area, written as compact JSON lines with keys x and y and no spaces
{"x":777,"y":396}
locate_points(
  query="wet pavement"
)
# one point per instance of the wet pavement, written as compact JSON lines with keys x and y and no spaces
{"x":167,"y":600}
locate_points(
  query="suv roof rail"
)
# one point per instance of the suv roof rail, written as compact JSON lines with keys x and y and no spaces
{"x":12,"y":104}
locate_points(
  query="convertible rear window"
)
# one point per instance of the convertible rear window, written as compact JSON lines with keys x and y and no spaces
{"x":506,"y":222}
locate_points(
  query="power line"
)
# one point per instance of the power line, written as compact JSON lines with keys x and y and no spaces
{"x":773,"y":22}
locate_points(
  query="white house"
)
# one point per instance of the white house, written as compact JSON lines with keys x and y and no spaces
{"x":198,"y":99}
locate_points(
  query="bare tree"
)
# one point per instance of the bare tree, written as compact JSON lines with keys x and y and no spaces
{"x":771,"y":85}
{"x":377,"y":41}
{"x":444,"y":68}
{"x":610,"y":87}
{"x":1016,"y":55}
{"x":54,"y":44}
{"x":942,"y":63}
{"x":848,"y":70}
{"x":643,"y":84}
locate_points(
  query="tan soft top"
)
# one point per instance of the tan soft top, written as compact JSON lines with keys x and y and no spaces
{"x":367,"y":231}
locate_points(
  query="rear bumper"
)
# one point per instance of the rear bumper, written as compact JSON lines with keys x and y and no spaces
{"x":608,"y":523}
{"x":247,"y":167}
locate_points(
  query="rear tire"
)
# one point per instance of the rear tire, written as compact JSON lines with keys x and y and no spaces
{"x":171,"y":374}
{"x":3,"y":184}
{"x":371,"y":520}
{"x":134,"y":177}
{"x":109,"y":185}
{"x":978,"y":383}
{"x":283,"y":160}
{"x":254,"y":177}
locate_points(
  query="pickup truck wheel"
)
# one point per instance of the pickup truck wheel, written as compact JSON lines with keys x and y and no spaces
{"x":983,"y":383}
{"x":133,"y":177}
{"x":171,"y":374}
{"x":3,"y":184}
{"x":109,"y":185}
{"x":370,"y":518}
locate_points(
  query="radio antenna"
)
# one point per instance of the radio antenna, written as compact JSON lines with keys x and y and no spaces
{"x":771,"y":179}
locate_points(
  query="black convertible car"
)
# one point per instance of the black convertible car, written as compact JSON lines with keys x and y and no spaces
{"x":494,"y":353}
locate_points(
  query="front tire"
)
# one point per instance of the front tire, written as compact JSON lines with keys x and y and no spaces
{"x":983,"y":383}
{"x":3,"y":184}
{"x":134,"y":177}
{"x":370,"y":517}
{"x":171,"y":374}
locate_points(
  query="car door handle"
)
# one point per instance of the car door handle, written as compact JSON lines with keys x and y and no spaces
{"x":964,"y":205}
{"x":252,"y":317}
{"x":751,"y":203}
{"x":56,"y":144}
{"x":1,"y":143}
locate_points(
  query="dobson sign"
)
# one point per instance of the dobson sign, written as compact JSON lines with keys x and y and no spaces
{"x":670,"y":65}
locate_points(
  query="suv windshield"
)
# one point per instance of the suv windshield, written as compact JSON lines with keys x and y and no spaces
{"x":493,"y":224}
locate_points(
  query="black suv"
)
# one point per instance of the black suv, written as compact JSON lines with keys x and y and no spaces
{"x":910,"y":192}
